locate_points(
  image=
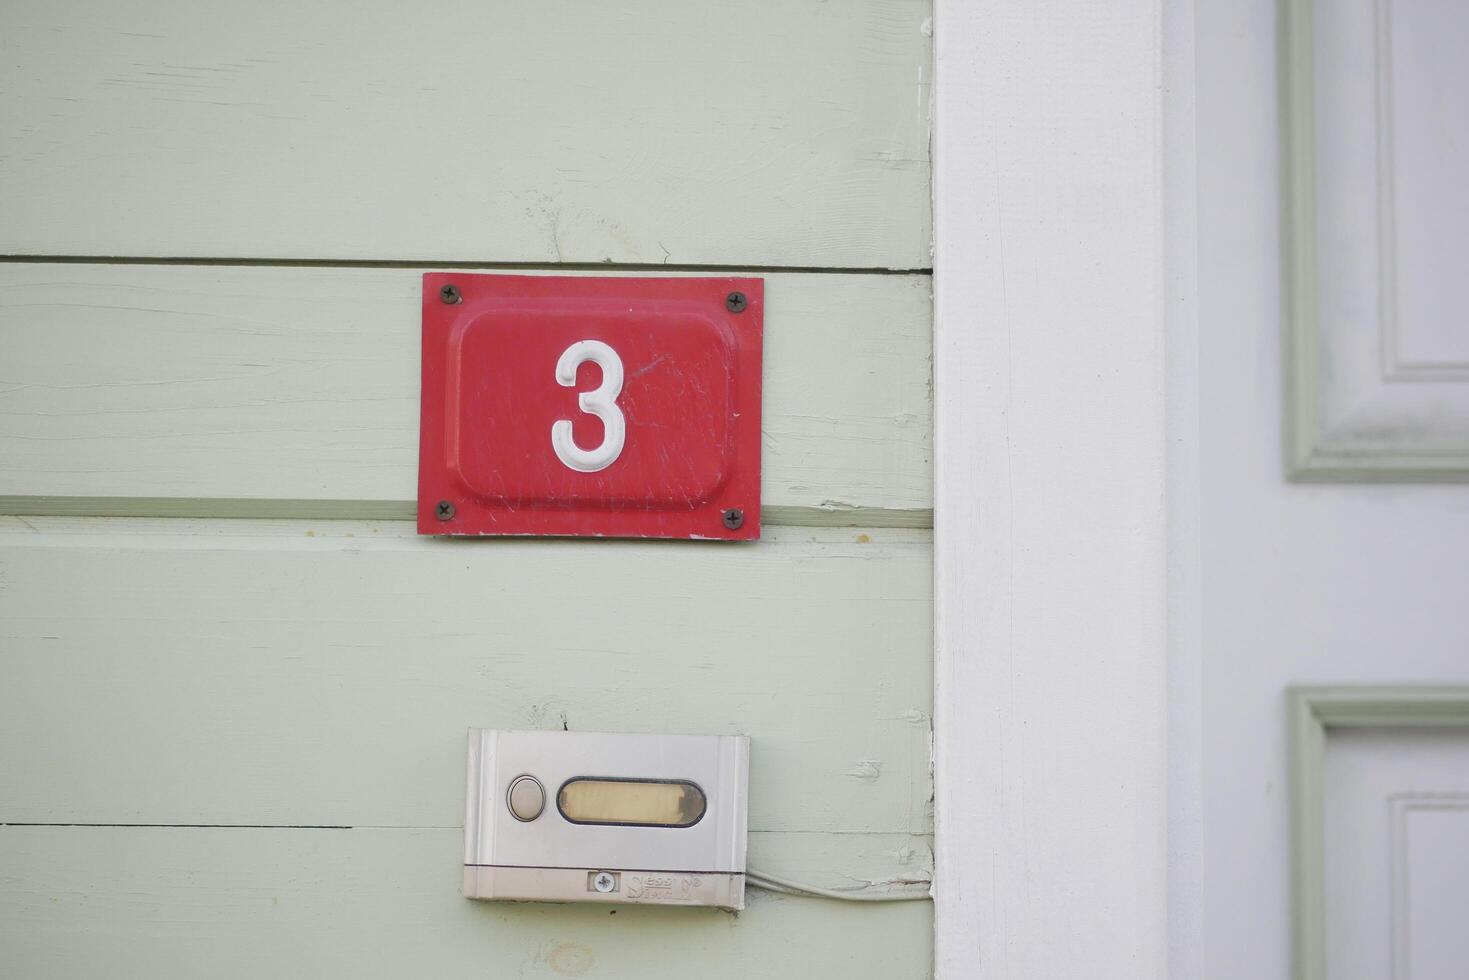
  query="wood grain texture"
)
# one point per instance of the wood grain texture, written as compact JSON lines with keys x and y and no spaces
{"x":1052,"y":483}
{"x":778,"y":133}
{"x":241,"y":672}
{"x":238,"y":902}
{"x":152,"y":383}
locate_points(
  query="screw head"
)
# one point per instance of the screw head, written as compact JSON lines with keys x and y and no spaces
{"x":449,"y":293}
{"x":734,"y":518}
{"x":604,"y":882}
{"x":446,"y":510}
{"x":736,"y":302}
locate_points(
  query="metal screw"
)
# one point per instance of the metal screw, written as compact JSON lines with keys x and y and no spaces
{"x":736,"y":302}
{"x":734,"y":518}
{"x":449,"y":294}
{"x":604,"y":882}
{"x":446,"y":510}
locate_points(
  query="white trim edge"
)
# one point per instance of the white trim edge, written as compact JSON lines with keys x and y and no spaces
{"x":1051,"y":559}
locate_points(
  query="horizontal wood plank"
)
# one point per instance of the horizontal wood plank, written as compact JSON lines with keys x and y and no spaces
{"x":242,"y":672}
{"x":269,"y":391}
{"x":288,"y":903}
{"x":786,"y":132}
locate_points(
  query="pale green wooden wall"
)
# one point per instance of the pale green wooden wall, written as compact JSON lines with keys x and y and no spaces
{"x":233,"y":682}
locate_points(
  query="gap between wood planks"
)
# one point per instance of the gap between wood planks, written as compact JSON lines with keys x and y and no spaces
{"x":104,"y":825}
{"x":396,"y":510}
{"x":456,"y":264}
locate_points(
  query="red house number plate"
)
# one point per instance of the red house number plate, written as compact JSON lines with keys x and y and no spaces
{"x":603,"y":407}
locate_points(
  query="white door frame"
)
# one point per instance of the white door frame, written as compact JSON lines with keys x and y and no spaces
{"x":1065,"y":488}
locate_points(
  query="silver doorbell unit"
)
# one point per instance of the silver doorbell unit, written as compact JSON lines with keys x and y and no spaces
{"x":591,"y":817}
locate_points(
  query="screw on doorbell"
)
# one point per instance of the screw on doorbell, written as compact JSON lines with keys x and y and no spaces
{"x":602,"y":881}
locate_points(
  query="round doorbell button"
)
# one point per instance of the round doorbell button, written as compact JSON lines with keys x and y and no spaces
{"x":527,"y":798}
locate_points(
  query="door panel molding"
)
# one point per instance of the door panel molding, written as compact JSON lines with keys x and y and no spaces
{"x":1313,"y":712}
{"x":1360,"y":406}
{"x":1401,"y":809}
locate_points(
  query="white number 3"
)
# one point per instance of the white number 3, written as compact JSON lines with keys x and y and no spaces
{"x":601,"y":402}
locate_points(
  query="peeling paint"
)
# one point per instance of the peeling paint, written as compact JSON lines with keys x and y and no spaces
{"x":913,"y":716}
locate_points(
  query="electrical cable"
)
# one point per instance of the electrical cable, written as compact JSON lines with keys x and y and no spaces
{"x":785,"y":887}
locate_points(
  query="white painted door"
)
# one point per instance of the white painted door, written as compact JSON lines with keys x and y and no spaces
{"x":1354,"y":569}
